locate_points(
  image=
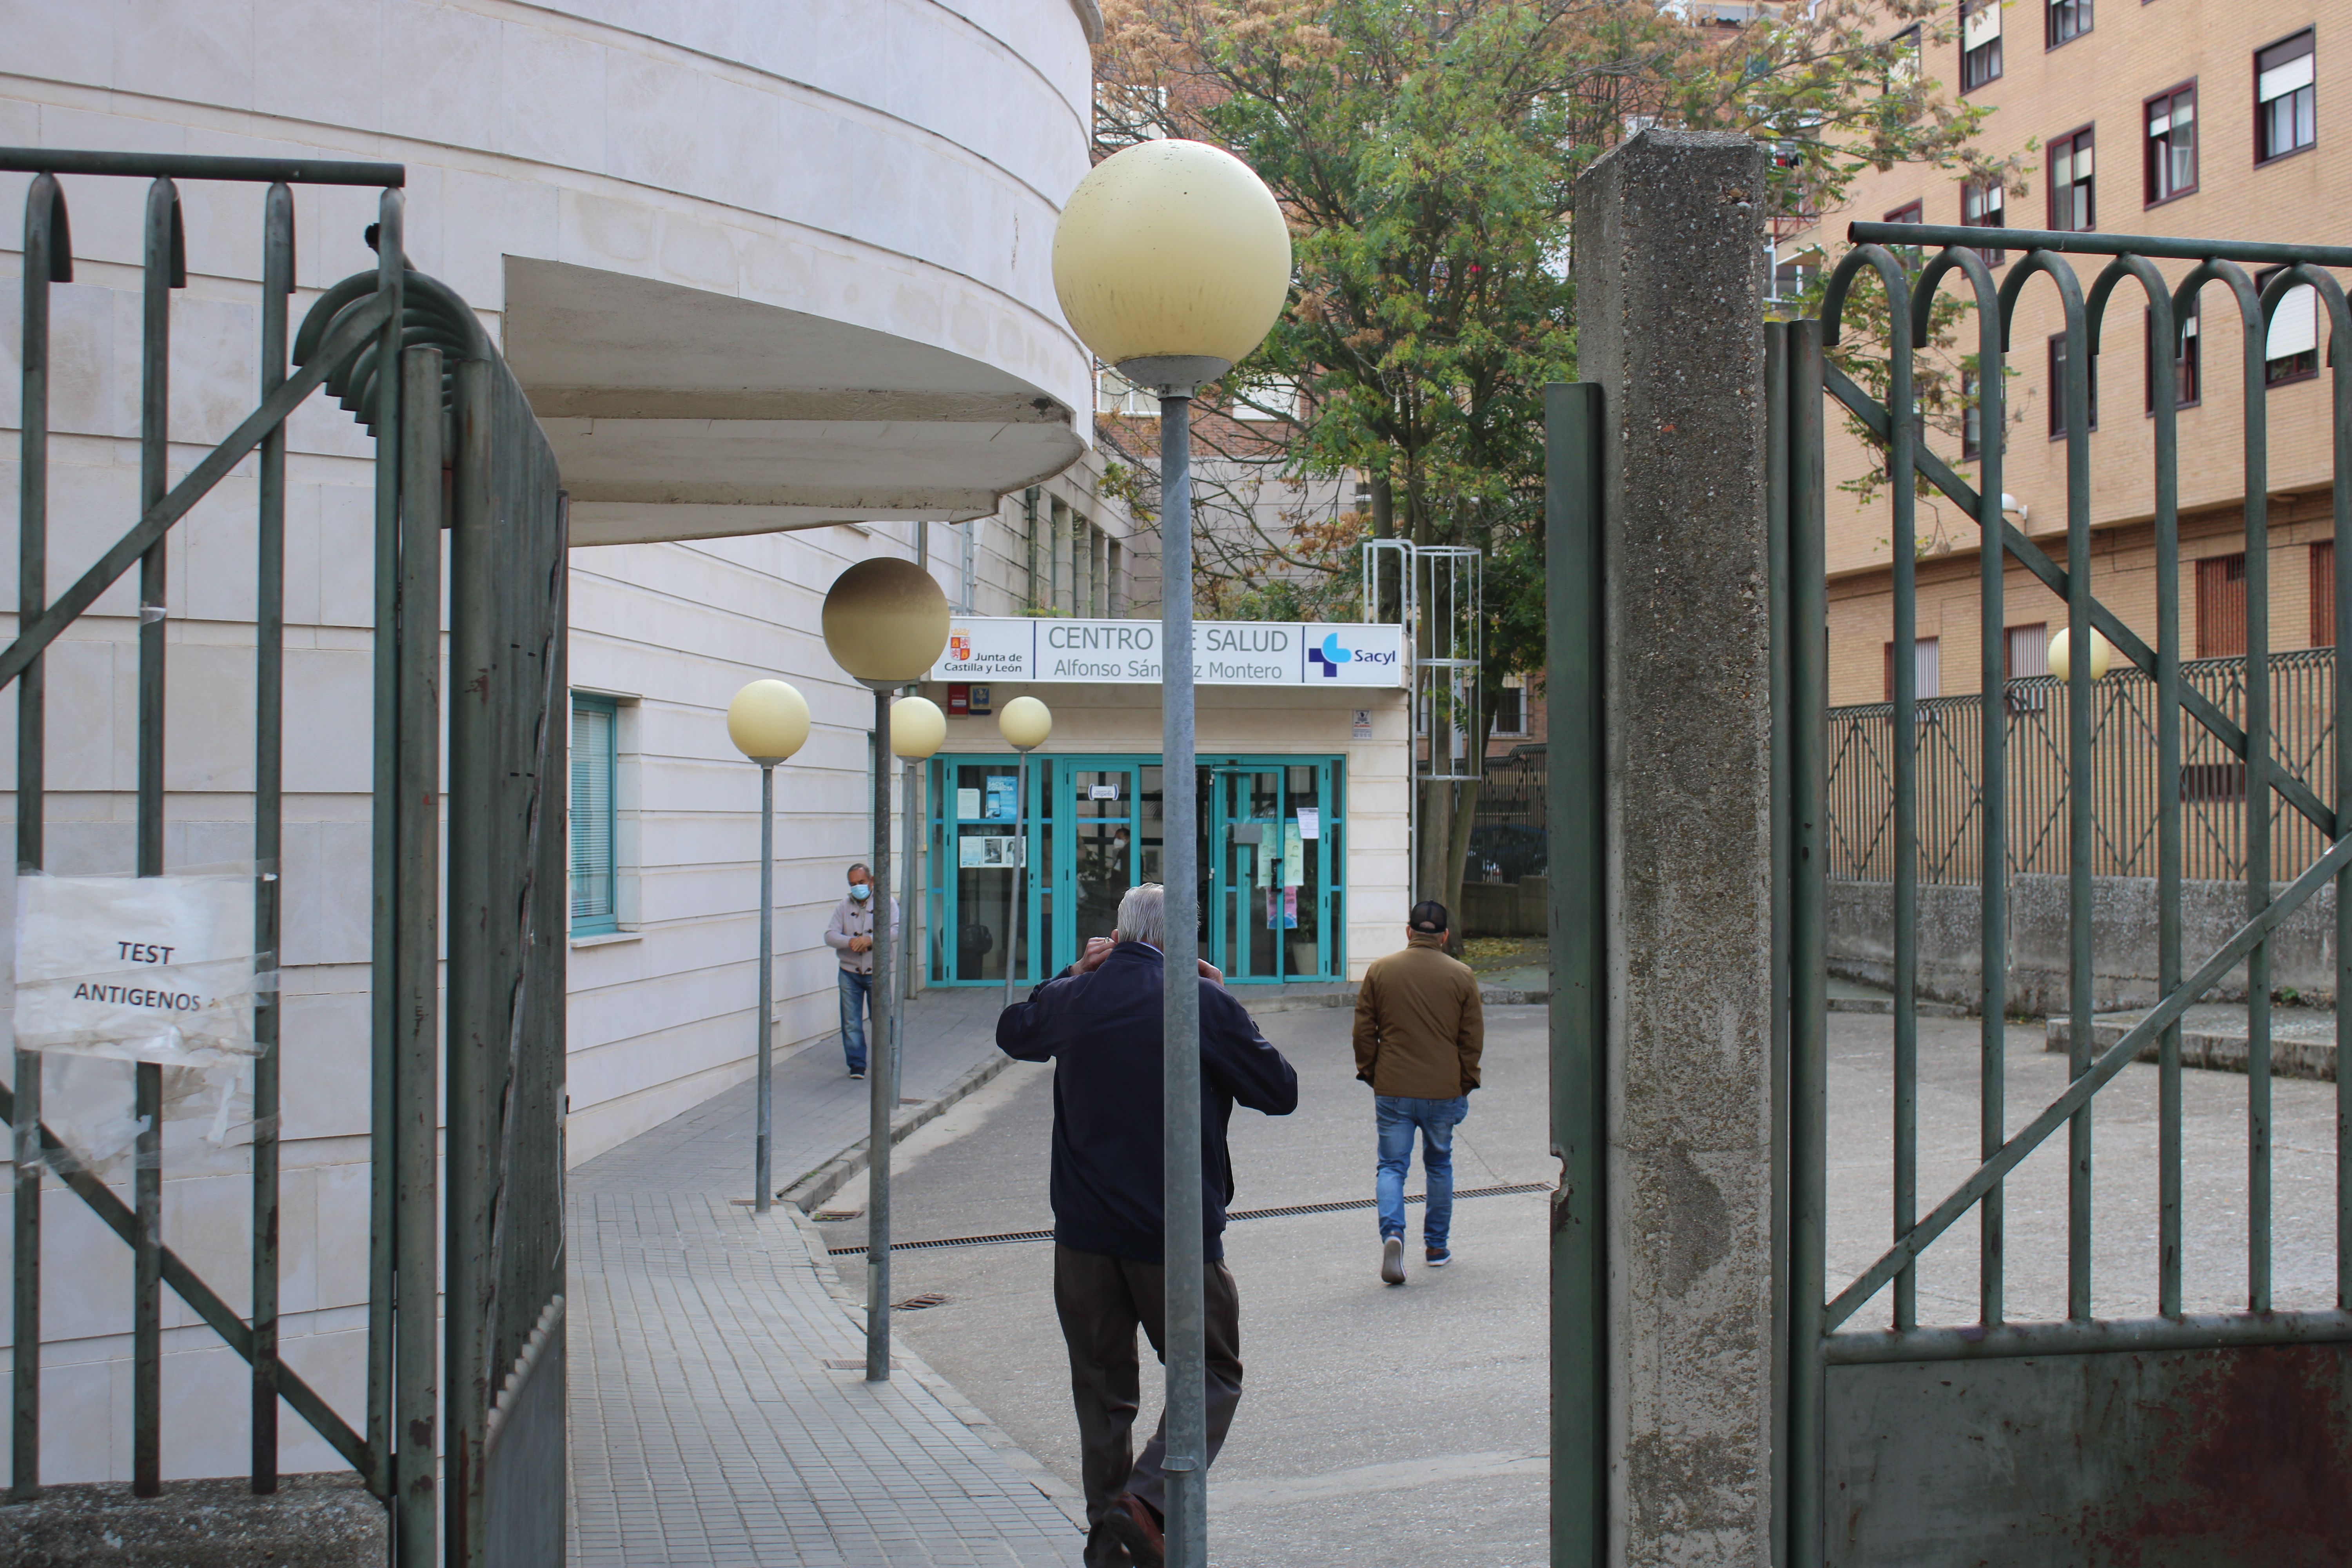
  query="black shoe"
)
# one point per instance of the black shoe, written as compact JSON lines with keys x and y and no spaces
{"x":1133,"y":1525}
{"x":857,"y":1076}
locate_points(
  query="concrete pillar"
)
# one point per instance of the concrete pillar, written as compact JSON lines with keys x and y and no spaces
{"x":1669,"y":276}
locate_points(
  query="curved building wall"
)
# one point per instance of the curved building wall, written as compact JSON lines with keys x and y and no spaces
{"x":879,"y":177}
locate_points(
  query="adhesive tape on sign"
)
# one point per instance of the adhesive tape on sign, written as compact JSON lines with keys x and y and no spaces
{"x":151,"y":969}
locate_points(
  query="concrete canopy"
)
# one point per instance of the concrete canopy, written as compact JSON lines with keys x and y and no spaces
{"x":678,"y":412}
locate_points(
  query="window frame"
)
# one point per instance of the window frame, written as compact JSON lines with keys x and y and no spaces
{"x":1991,"y":49}
{"x":2049,"y":8}
{"x":2151,"y":160}
{"x":2076,"y":142}
{"x":2192,"y":340}
{"x":2309,"y":372}
{"x":1989,"y":258}
{"x":609,"y":922}
{"x":2213,"y":613}
{"x":2057,"y":352}
{"x":1971,"y":419}
{"x":2309,"y":37}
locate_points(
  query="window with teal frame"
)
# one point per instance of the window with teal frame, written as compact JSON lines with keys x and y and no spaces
{"x":595,"y":879}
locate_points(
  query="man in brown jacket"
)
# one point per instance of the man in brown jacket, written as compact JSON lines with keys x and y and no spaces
{"x":1419,"y":1031}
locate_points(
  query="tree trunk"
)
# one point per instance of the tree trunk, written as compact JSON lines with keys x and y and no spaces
{"x":1465,"y":814}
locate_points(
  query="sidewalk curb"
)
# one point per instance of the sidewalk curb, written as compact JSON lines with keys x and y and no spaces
{"x":1488,"y":995}
{"x":814,"y":1186}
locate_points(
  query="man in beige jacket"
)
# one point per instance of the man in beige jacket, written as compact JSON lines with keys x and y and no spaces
{"x":1419,"y":1031}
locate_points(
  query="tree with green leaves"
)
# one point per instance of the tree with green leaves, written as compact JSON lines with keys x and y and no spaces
{"x":1427,"y":157}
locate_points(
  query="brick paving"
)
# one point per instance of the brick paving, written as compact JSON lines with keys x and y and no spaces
{"x":707,"y":1427}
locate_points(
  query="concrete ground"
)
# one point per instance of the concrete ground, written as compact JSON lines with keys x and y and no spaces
{"x":1379,"y":1425}
{"x":1404,"y":1426}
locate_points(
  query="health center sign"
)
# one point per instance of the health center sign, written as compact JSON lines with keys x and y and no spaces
{"x":1224,"y":653}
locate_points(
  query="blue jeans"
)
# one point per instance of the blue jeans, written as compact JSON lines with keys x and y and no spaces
{"x":1437,"y":1118}
{"x":856,"y":1001}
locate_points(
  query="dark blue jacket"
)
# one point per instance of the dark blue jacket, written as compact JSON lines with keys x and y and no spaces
{"x":1102,"y":1031}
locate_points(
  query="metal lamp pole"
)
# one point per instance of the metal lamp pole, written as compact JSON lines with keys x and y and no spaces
{"x":885,"y":623}
{"x":768,"y":721}
{"x":1186,"y":1461}
{"x":1172,"y":261}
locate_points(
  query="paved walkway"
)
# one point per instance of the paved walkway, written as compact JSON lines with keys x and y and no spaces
{"x":708,"y":1424}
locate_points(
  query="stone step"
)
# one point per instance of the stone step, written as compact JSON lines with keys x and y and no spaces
{"x":2303,"y":1039}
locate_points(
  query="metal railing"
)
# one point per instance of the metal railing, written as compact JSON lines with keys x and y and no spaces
{"x":2125,"y":780}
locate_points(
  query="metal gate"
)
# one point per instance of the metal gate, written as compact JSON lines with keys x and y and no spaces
{"x":2176,"y":1436}
{"x":463,"y":1433}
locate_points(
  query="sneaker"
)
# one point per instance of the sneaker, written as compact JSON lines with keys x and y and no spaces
{"x":1393,"y":1260}
{"x":1439,"y":1256}
{"x":857,"y":1076}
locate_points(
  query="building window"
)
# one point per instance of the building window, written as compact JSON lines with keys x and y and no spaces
{"x":1114,"y":394}
{"x":595,"y":767}
{"x":1924,"y":668}
{"x":2286,"y":107}
{"x":1971,"y":418}
{"x":2058,"y":389}
{"x":2184,"y":362}
{"x":2072,"y":208}
{"x":1903,"y":58}
{"x":2222,"y":606}
{"x":1511,"y":707}
{"x":1980,"y":207}
{"x":2171,"y":163}
{"x":2292,"y":352}
{"x":2323,"y":594}
{"x":2065,"y":20}
{"x":2025,"y":651}
{"x":1917,"y":212}
{"x":1980,"y":43}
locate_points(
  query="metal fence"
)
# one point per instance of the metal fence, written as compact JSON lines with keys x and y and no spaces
{"x":2124,"y":791}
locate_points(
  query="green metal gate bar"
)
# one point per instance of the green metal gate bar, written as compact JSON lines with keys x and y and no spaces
{"x":407,"y":355}
{"x":1803,"y":382}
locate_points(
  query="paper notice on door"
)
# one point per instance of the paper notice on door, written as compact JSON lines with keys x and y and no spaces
{"x":1294,"y":857}
{"x":1102,"y":792}
{"x":1310,"y":822}
{"x":968,"y":803}
{"x":144,"y":969}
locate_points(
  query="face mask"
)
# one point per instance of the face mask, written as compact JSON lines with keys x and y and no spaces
{"x":861,"y":891}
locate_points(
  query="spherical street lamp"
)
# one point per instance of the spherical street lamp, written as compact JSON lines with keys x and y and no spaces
{"x":768,"y":721}
{"x":1172,"y":261}
{"x":885,"y":623}
{"x":2062,"y":664}
{"x":1024,"y":723}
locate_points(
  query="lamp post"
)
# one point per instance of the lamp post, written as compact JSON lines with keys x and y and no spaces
{"x":917,"y":729}
{"x":1024,"y":723}
{"x":768,"y":721}
{"x":1172,"y":261}
{"x":885,"y":623}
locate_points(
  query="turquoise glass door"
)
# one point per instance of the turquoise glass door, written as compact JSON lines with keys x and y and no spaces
{"x":1096,"y":822}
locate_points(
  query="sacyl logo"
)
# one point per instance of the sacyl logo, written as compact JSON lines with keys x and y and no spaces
{"x":1328,"y":659}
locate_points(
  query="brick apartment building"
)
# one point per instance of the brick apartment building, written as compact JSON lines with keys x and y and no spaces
{"x":2208,"y":118}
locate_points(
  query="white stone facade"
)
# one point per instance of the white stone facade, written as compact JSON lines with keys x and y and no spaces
{"x":805,"y":243}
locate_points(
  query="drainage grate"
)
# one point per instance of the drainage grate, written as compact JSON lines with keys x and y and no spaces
{"x":917,"y":1303}
{"x":1006,"y":1237}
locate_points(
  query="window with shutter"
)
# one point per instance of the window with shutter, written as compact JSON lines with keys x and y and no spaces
{"x":2286,"y":104}
{"x":1980,"y":43}
{"x":595,"y":905}
{"x":2323,"y":594}
{"x":2222,"y":606}
{"x":2291,"y":351}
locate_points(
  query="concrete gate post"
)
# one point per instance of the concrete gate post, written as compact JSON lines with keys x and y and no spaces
{"x":1669,"y":272}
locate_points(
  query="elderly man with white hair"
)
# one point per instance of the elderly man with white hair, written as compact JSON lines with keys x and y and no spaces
{"x":1099,"y":1022}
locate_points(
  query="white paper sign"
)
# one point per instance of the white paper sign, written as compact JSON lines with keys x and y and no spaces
{"x":1310,"y":822}
{"x":1362,"y":727}
{"x":1102,"y":792}
{"x":150,"y":969}
{"x":968,"y":803}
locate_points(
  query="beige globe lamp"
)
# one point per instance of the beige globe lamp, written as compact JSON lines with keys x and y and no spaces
{"x":1172,"y":261}
{"x":1026,"y":723}
{"x":769,"y":722}
{"x":2061,"y":663}
{"x":884,"y":622}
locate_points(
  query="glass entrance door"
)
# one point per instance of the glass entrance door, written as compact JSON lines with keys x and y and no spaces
{"x":1270,"y":884}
